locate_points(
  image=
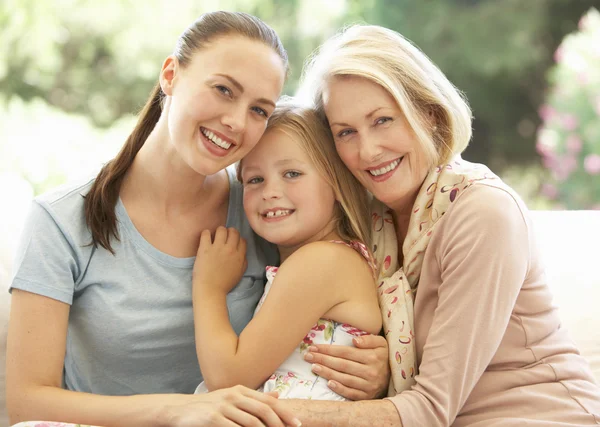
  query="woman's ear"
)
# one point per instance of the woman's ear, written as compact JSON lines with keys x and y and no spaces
{"x":168,"y":73}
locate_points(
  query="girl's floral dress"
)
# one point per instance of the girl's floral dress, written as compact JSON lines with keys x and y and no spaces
{"x":294,"y":378}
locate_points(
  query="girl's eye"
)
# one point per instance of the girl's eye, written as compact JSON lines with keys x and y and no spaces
{"x":382,"y":120}
{"x":255,"y":180}
{"x":344,"y":133}
{"x":260,"y":111}
{"x":225,"y":90}
{"x":292,"y":174}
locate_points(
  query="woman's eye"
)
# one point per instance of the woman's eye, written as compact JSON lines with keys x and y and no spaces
{"x":292,"y":174}
{"x":382,"y":120}
{"x":344,"y":133}
{"x":225,"y":90}
{"x":260,"y":111}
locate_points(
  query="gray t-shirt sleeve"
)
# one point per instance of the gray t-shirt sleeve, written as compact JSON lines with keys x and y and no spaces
{"x":45,"y":261}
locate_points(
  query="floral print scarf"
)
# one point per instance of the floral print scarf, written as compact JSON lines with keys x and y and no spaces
{"x":397,"y":287}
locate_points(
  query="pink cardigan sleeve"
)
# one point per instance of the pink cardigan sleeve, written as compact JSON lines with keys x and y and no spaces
{"x":482,"y":252}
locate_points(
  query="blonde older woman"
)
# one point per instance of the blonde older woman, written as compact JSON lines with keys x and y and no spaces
{"x":472,"y":334}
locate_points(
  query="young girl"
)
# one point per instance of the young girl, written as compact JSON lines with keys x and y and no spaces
{"x":299,"y":196}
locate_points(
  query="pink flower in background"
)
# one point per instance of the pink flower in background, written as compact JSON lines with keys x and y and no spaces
{"x":564,"y":167}
{"x":591,"y":164}
{"x":550,"y":161}
{"x":559,"y":54}
{"x":550,"y":191}
{"x":574,"y":144}
{"x":570,"y":122}
{"x":547,"y":113}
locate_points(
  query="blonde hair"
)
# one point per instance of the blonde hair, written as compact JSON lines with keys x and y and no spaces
{"x":306,"y":126}
{"x":418,"y":86}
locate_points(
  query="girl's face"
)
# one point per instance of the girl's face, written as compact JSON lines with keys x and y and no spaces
{"x":286,"y":200}
{"x":375,"y":141}
{"x":218,"y":105}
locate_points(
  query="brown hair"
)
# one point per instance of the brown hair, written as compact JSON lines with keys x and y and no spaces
{"x":101,"y":200}
{"x":305,"y":125}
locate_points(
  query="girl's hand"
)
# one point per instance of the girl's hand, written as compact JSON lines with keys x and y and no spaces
{"x":236,"y":406}
{"x":220,"y":263}
{"x":360,"y":373}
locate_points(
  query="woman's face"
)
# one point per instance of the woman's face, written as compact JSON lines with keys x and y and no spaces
{"x":219,"y":103}
{"x":375,"y":141}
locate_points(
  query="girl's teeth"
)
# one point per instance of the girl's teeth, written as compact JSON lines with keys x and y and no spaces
{"x":216,"y":140}
{"x":275,"y":214}
{"x":386,"y":169}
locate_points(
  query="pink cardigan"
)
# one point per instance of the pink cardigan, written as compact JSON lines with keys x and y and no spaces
{"x":490,"y":348}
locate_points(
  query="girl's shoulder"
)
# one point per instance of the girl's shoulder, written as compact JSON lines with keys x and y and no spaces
{"x":330,"y":258}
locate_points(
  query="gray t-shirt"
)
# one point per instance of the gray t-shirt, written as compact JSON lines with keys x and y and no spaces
{"x":131,"y":327}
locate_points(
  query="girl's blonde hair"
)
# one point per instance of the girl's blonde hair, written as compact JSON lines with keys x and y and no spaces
{"x":436,"y":111}
{"x":304,"y":125}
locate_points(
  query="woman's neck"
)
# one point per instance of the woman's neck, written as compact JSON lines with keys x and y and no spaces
{"x":160,"y":178}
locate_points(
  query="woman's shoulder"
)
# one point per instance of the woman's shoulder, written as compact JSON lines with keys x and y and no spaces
{"x":487,"y":202}
{"x":67,"y":197}
{"x":63,"y":208}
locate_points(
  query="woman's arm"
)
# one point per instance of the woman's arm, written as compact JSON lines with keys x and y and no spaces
{"x":310,"y":282}
{"x":35,"y":360}
{"x":327,"y":413}
{"x":482,"y":250}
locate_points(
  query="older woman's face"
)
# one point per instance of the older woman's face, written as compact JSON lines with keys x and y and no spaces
{"x":375,"y":141}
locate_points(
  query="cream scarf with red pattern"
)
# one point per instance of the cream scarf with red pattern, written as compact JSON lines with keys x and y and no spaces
{"x":397,"y":286}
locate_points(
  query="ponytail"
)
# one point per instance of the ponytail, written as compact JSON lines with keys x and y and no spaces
{"x":102,"y":198}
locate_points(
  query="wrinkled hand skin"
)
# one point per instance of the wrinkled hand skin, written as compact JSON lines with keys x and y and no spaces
{"x":360,"y":373}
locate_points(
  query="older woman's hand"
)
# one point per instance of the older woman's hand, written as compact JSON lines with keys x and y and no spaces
{"x":359,"y":373}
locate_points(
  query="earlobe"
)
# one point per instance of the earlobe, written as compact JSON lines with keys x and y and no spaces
{"x":167,"y":74}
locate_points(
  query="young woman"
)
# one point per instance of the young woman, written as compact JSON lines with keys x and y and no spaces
{"x":453,"y":240}
{"x":101,"y":329}
{"x":299,"y":196}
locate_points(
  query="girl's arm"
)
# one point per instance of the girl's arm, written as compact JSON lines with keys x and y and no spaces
{"x":35,"y":359}
{"x":314,"y":279}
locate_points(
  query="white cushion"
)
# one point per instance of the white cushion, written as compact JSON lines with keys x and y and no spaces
{"x":570,"y":246}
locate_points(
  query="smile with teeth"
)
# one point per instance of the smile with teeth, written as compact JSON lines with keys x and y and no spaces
{"x":386,"y":169}
{"x":215,"y":139}
{"x":278,"y":213}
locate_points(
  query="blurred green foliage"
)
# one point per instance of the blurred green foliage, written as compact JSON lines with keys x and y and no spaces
{"x":99,"y":60}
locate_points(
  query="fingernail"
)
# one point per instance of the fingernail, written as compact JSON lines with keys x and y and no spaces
{"x":308,"y":357}
{"x":297,"y":422}
{"x":357,"y":341}
{"x":331,"y":385}
{"x":313,"y":349}
{"x":316,"y":369}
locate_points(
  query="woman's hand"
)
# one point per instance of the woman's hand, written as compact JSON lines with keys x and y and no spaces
{"x":220,"y":263}
{"x":235,"y":406}
{"x":360,"y":373}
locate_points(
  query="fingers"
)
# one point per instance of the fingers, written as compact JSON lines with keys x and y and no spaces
{"x":251,"y":412}
{"x":205,"y":240}
{"x":276,"y":415}
{"x":370,"y":342}
{"x":326,"y":354}
{"x":349,"y":386}
{"x":221,"y":236}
